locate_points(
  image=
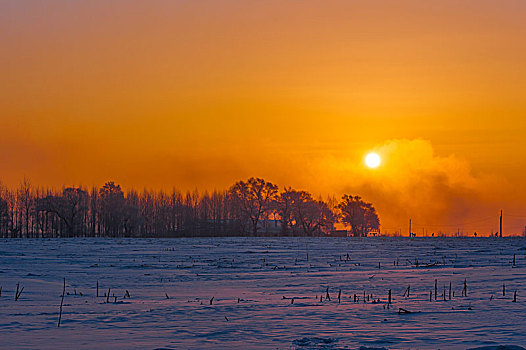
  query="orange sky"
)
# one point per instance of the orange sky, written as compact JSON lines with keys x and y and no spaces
{"x":203,"y":93}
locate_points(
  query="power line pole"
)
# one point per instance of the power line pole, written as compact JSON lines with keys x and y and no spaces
{"x":500,"y":234}
{"x":410,"y":234}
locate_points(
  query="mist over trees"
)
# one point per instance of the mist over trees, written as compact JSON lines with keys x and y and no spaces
{"x":254,"y":207}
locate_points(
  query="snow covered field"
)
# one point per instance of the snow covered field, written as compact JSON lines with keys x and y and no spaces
{"x":252,"y":282}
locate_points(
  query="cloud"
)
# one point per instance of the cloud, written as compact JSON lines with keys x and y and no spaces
{"x":438,"y":193}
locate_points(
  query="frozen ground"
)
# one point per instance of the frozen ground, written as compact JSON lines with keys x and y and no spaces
{"x":264,"y":273}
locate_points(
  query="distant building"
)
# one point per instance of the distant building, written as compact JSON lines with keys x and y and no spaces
{"x":374,"y":232}
{"x":339,"y":233}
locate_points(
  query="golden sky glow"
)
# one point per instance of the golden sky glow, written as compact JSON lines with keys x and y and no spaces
{"x":203,"y":93}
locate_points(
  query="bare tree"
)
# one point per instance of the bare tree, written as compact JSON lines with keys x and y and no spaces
{"x":245,"y":208}
{"x":359,"y":215}
{"x":255,"y":199}
{"x":26,"y":201}
{"x":309,"y":215}
{"x":284,"y":204}
{"x":71,"y":207}
{"x":316,"y":217}
{"x":111,"y":208}
{"x":4,"y":212}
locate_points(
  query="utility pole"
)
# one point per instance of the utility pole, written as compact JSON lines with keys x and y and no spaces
{"x":410,"y":234}
{"x":500,"y":234}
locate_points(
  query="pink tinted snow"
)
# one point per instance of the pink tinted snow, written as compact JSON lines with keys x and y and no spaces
{"x":266,"y":294}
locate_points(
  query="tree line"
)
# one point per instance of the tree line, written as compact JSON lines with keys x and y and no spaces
{"x":254,"y":207}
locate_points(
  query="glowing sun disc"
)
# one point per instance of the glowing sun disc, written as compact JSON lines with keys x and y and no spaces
{"x":372,"y":160}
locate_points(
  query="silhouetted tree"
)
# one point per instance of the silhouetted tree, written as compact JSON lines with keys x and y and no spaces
{"x":299,"y":211}
{"x":316,"y":217}
{"x":254,"y":199}
{"x":283,"y":206}
{"x":14,"y":222}
{"x":26,"y":202}
{"x":359,"y":215}
{"x":112,"y":208}
{"x":246,"y":208}
{"x":71,"y":207}
{"x":4,"y":218}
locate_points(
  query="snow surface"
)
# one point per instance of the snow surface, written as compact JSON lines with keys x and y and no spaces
{"x":171,"y":282}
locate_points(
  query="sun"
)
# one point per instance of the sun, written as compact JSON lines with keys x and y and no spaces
{"x":372,"y":160}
